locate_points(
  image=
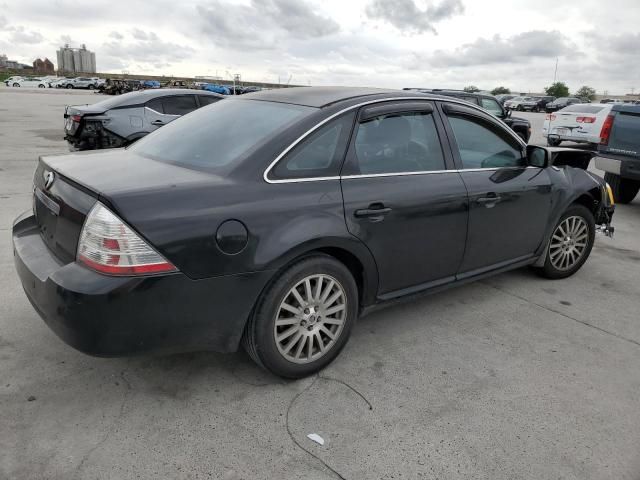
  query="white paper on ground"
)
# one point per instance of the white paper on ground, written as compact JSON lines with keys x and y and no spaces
{"x":316,"y":438}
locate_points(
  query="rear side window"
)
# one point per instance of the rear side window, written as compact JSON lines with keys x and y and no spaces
{"x":397,"y":143}
{"x":156,"y":105}
{"x":481,"y":146}
{"x":319,"y":155}
{"x":491,"y":106}
{"x":180,"y":105}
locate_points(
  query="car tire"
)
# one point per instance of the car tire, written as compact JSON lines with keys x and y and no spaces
{"x":536,"y":109}
{"x":69,"y":86}
{"x":565,"y":254}
{"x":624,"y":190}
{"x":552,"y":142}
{"x":91,"y":87}
{"x":519,"y":108}
{"x":16,"y":85}
{"x":305,"y":331}
{"x":41,"y":86}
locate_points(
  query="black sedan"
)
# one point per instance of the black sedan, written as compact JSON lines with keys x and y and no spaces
{"x":275,"y":219}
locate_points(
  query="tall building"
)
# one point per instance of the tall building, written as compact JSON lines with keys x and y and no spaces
{"x":76,"y":60}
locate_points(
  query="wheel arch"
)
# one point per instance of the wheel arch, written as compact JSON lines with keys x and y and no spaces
{"x":352,"y":254}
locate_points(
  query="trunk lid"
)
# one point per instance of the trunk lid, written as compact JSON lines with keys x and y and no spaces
{"x":60,"y":206}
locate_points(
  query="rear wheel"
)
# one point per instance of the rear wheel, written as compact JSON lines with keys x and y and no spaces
{"x":69,"y":86}
{"x":41,"y":86}
{"x":624,"y":189}
{"x":91,"y":87}
{"x":570,"y":244}
{"x":304,"y":319}
{"x":519,"y":108}
{"x":16,"y":84}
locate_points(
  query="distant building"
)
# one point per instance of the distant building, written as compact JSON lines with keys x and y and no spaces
{"x":5,"y":63}
{"x":76,"y":60}
{"x":43,"y":66}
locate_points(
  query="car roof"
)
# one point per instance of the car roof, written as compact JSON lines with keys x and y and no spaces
{"x":320,"y":96}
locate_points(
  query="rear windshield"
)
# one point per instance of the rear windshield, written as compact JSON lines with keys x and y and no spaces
{"x":581,"y":108}
{"x":216,"y":135}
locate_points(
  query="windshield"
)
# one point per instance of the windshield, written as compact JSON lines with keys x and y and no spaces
{"x":580,"y":108}
{"x":216,"y":135}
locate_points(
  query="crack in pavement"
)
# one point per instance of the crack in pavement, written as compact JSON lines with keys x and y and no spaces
{"x":318,"y":376}
{"x":545,"y":307}
{"x":87,"y":455}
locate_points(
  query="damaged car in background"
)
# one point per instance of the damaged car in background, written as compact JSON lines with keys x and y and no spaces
{"x":120,"y":121}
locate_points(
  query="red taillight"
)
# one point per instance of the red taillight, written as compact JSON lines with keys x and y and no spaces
{"x":606,"y":130}
{"x":586,"y":119}
{"x":108,"y":245}
{"x":76,"y":118}
{"x":550,"y":116}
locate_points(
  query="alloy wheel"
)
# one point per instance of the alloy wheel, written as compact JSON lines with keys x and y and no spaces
{"x":569,"y":243}
{"x":310,"y":318}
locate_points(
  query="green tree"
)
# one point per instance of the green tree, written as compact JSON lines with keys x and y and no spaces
{"x":500,"y":91}
{"x":558,"y":89}
{"x":586,"y":92}
{"x":471,"y":89}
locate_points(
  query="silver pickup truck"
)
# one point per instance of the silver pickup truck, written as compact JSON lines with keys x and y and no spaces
{"x":619,"y":151}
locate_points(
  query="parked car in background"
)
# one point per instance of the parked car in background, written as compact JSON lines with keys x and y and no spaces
{"x":580,"y":123}
{"x":79,"y":82}
{"x":275,"y":220}
{"x":33,"y":82}
{"x":9,"y":81}
{"x":504,"y":97}
{"x":516,"y":103}
{"x":560,"y":103}
{"x":536,"y":104}
{"x":151,"y":84}
{"x":619,"y":151}
{"x":120,"y":121}
{"x":488,"y":102}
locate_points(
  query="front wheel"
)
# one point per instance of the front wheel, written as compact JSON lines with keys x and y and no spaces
{"x":570,"y":244}
{"x":624,"y":190}
{"x":16,"y":84}
{"x":553,"y":142}
{"x":519,"y":108}
{"x":304,"y":319}
{"x":69,"y":86}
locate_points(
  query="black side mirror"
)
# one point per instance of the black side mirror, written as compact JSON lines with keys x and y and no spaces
{"x":537,"y":156}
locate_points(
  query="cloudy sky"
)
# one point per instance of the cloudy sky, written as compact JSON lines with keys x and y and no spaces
{"x":387,"y":43}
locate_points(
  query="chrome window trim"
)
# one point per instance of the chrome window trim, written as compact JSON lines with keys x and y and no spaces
{"x":266,"y":178}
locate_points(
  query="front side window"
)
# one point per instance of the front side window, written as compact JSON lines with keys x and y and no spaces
{"x":482,"y":146}
{"x":207,"y":100}
{"x":397,"y":143}
{"x":319,"y":155}
{"x":180,"y":105}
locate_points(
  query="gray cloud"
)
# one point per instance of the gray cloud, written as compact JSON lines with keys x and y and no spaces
{"x":21,"y":35}
{"x":147,"y":49}
{"x":263,"y":23}
{"x":3,"y":21}
{"x":116,"y":35}
{"x":497,"y":50}
{"x":406,"y":16}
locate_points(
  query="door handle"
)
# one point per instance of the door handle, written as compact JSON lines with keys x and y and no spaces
{"x":374,"y":210}
{"x":490,"y":200}
{"x":157,"y":122}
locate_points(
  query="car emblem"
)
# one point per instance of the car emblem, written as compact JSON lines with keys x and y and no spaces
{"x":49,"y":177}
